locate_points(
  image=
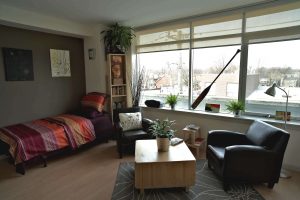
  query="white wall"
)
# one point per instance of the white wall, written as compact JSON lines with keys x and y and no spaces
{"x":95,"y":70}
{"x":208,"y":122}
{"x":30,"y":20}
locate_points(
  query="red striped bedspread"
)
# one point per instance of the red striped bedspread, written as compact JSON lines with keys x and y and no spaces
{"x":35,"y":138}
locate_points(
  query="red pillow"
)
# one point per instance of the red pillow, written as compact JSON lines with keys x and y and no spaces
{"x":95,"y":100}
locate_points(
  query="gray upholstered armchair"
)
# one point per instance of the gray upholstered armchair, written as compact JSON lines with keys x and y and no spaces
{"x":253,"y":157}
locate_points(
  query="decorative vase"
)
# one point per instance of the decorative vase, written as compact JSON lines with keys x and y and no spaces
{"x":162,"y":144}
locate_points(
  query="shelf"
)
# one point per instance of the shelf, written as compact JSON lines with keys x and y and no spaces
{"x":123,"y":95}
{"x":118,"y":85}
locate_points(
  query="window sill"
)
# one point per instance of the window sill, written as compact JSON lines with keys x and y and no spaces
{"x":230,"y":116}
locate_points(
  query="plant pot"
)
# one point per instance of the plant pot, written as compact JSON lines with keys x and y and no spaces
{"x":162,"y":144}
{"x":237,"y":113}
{"x":172,"y":106}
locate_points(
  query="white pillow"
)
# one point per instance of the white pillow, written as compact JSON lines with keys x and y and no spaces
{"x":130,"y":121}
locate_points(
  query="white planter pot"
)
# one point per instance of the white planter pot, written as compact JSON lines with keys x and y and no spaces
{"x":237,"y":113}
{"x":163,"y":144}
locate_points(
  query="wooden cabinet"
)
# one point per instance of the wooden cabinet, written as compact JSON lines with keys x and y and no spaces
{"x":117,"y":82}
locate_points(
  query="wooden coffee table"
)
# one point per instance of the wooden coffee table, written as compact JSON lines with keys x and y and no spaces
{"x":153,"y":169}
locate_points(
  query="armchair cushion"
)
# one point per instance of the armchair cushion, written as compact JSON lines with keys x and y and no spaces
{"x":225,"y":138}
{"x":130,"y":121}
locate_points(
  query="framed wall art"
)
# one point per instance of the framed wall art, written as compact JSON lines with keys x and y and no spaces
{"x":60,"y":63}
{"x":18,"y":64}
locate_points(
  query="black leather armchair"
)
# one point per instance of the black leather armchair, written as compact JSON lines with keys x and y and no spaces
{"x":253,"y":157}
{"x":126,"y":139}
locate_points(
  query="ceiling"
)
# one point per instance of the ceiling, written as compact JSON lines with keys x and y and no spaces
{"x":128,"y":12}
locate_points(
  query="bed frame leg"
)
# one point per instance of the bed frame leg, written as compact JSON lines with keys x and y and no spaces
{"x":44,"y":159}
{"x":20,"y":168}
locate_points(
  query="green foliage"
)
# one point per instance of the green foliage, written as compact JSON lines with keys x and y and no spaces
{"x":233,"y":106}
{"x":162,"y":129}
{"x":172,"y":99}
{"x":117,"y":35}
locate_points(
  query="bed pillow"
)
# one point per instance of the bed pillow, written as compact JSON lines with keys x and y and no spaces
{"x":130,"y":121}
{"x":91,"y":113}
{"x":94,"y":100}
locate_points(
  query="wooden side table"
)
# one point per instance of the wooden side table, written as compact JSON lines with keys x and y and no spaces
{"x":198,"y":143}
{"x":193,"y":139}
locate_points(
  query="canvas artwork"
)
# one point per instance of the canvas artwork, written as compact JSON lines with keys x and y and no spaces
{"x":116,"y":69}
{"x":215,"y":108}
{"x":18,"y":64}
{"x":60,"y":63}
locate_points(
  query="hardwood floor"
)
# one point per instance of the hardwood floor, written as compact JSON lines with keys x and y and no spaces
{"x":90,"y":174}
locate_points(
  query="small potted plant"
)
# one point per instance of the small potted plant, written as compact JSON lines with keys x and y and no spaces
{"x":117,"y":39}
{"x":163,"y":132}
{"x":236,"y":107}
{"x":172,"y":100}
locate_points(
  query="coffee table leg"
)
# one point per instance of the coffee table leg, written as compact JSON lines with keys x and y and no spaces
{"x":187,"y":189}
{"x":142,"y":190}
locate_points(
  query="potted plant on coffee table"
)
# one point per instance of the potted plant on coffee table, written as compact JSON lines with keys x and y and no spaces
{"x":236,"y":107}
{"x":163,"y":132}
{"x":172,"y":100}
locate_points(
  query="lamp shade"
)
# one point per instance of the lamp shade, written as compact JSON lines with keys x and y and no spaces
{"x":271,"y":90}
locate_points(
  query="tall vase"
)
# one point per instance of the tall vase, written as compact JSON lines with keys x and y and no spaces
{"x":163,"y":144}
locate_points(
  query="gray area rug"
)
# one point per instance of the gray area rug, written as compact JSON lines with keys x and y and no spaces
{"x":207,"y":187}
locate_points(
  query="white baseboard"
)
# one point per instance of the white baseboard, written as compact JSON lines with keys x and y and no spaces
{"x":291,"y":167}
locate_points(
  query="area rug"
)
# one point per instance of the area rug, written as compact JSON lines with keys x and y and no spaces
{"x":207,"y":187}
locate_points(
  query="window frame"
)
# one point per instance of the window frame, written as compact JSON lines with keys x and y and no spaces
{"x":265,"y":36}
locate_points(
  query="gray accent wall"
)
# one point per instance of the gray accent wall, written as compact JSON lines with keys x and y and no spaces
{"x":22,"y":101}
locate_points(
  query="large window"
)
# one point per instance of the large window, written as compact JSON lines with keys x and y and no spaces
{"x":165,"y":73}
{"x":207,"y":64}
{"x":185,"y":58}
{"x":268,"y":63}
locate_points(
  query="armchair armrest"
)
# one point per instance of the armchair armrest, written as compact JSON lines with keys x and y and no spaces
{"x":118,"y":129}
{"x":225,"y":138}
{"x":146,"y":123}
{"x":248,"y":161}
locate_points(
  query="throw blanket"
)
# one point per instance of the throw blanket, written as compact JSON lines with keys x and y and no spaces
{"x":35,"y":138}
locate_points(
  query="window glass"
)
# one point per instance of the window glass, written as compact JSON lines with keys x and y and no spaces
{"x":273,"y":21}
{"x":207,"y":64}
{"x":218,"y":29}
{"x":165,"y":73}
{"x":268,"y":63}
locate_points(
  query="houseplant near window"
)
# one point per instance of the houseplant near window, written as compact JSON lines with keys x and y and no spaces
{"x":172,"y":100}
{"x":163,"y":132}
{"x":236,"y":107}
{"x":117,"y":39}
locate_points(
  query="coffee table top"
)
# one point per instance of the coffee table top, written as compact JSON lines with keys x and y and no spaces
{"x":146,"y":152}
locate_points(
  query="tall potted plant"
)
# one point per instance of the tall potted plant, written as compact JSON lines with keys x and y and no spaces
{"x":163,"y":132}
{"x":135,"y":85}
{"x":117,"y":38}
{"x":236,"y":107}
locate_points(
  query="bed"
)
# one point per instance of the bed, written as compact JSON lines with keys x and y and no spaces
{"x":38,"y":138}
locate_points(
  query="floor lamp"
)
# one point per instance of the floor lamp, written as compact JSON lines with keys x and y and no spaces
{"x":272,"y":92}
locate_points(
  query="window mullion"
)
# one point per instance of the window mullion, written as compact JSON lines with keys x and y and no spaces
{"x":243,"y":64}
